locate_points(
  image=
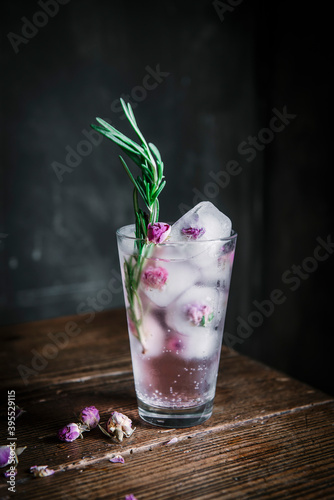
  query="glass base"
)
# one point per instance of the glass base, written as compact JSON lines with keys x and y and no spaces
{"x":175,"y":418}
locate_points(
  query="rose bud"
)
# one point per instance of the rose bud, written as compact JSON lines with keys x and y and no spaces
{"x":9,"y":454}
{"x":70,"y":432}
{"x":199,"y":315}
{"x":158,"y":232}
{"x":90,"y":417}
{"x":193,"y":233}
{"x":154,"y":277}
{"x":119,"y":425}
{"x":41,"y":471}
{"x":5,"y":456}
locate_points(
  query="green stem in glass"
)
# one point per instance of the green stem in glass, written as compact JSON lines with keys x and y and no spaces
{"x":148,"y":186}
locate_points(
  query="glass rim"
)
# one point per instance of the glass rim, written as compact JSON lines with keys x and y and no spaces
{"x":232,"y":237}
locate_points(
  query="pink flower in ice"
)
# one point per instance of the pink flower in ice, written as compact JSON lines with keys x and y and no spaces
{"x":193,"y":233}
{"x":158,"y":232}
{"x":90,"y":417}
{"x":199,"y":314}
{"x":155,"y":277}
{"x":175,"y":344}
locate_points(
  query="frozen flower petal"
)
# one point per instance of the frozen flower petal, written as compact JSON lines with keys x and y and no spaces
{"x":158,"y":232}
{"x":199,"y":314}
{"x":117,"y":459}
{"x":90,"y":417}
{"x":5,"y":455}
{"x":41,"y":470}
{"x":70,"y":432}
{"x":193,"y":233}
{"x":155,"y":277}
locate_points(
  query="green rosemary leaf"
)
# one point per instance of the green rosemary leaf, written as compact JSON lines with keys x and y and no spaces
{"x":149,"y":186}
{"x":129,"y":110}
{"x":124,"y":145}
{"x":147,"y":174}
{"x":128,"y":172}
{"x":112,"y":133}
{"x":148,"y":194}
{"x":158,"y":191}
{"x":105,"y":124}
{"x":130,"y":116}
{"x":160,"y":170}
{"x":155,"y":151}
{"x":142,"y":190}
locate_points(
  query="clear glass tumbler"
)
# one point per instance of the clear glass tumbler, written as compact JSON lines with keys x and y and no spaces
{"x":176,"y":297}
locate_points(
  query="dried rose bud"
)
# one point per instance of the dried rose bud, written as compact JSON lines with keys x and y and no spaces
{"x":70,"y":432}
{"x":119,"y":425}
{"x":155,"y":277}
{"x":193,"y":233}
{"x":158,"y":232}
{"x":90,"y":417}
{"x":199,"y":314}
{"x":41,"y":470}
{"x":9,"y":454}
{"x":6,"y":456}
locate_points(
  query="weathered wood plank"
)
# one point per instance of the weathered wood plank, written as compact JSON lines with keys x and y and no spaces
{"x":284,"y":456}
{"x":45,"y":348}
{"x":49,"y":409}
{"x":264,"y":425}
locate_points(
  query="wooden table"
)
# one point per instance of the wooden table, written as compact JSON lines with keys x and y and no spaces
{"x":269,"y":437}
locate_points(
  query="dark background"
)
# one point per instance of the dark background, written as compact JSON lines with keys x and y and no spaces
{"x":225,"y":71}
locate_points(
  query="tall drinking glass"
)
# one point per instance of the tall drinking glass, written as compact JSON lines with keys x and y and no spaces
{"x":176,"y":312}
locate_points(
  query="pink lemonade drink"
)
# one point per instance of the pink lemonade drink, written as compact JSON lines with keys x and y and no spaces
{"x":180,"y":309}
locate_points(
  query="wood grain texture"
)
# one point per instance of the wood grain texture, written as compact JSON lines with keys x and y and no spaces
{"x":270,"y":436}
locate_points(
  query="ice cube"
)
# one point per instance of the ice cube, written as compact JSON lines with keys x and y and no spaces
{"x":197,"y":228}
{"x":153,"y":336}
{"x":198,"y":335}
{"x":199,"y":345}
{"x":203,"y":222}
{"x":218,"y":273}
{"x":162,"y":282}
{"x":126,"y":240}
{"x":183,"y":319}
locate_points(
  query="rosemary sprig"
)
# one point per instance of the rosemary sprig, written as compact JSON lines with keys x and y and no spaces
{"x":148,"y":186}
